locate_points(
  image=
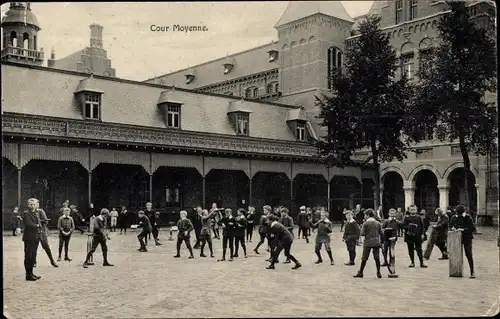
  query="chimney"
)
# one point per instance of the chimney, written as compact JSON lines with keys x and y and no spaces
{"x":53,"y":54}
{"x":96,"y":36}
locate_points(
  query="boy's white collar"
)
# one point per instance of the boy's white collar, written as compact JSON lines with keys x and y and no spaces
{"x":273,"y":223}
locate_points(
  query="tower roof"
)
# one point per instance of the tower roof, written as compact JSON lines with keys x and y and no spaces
{"x":20,"y":12}
{"x":297,"y":10}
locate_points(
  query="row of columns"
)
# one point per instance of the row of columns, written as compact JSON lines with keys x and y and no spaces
{"x":409,"y":191}
{"x":19,"y":187}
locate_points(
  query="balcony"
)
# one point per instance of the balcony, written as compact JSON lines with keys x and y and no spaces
{"x":21,"y":53}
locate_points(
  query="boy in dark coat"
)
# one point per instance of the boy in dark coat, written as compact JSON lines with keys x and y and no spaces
{"x":145,"y":223}
{"x":228,"y":224}
{"x":324,"y":227}
{"x":303,"y":222}
{"x":239,"y":233}
{"x":372,"y":230}
{"x":413,"y":225}
{"x":284,"y":240}
{"x":351,"y":236}
{"x":263,"y":227}
{"x":464,"y":222}
{"x":390,"y":227}
{"x":441,"y":229}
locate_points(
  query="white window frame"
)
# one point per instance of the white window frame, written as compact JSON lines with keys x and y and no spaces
{"x":242,"y":124}
{"x":301,"y":132}
{"x":93,"y":101}
{"x":399,"y":11}
{"x":407,"y":62}
{"x":413,"y":10}
{"x":173,"y":111}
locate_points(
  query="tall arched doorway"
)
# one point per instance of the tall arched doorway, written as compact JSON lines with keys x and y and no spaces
{"x":456,"y":193}
{"x":426,"y":191}
{"x":393,"y":195}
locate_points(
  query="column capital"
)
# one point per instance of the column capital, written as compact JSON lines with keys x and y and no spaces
{"x":408,"y":187}
{"x":408,"y":184}
{"x":443,"y":187}
{"x":477,"y":185}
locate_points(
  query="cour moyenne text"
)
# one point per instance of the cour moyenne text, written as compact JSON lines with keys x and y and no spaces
{"x":178,"y":28}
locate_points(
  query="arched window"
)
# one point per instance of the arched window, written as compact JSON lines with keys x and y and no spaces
{"x":34,"y":42}
{"x":272,"y":88}
{"x":334,"y":62}
{"x":4,"y":43}
{"x":248,"y":93}
{"x":26,"y":40}
{"x":251,"y":92}
{"x":255,"y":92}
{"x":13,"y":39}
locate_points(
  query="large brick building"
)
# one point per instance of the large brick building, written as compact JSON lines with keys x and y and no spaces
{"x":233,"y":130}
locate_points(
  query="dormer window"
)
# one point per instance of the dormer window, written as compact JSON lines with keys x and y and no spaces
{"x":189,"y":78}
{"x":92,"y":106}
{"x":273,"y":55}
{"x":173,"y":115}
{"x":239,"y":116}
{"x":170,"y":107}
{"x":227,"y":68}
{"x":301,"y":131}
{"x":89,"y":97}
{"x":242,"y":123}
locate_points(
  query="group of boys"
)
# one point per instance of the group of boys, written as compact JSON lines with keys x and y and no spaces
{"x":275,"y":225}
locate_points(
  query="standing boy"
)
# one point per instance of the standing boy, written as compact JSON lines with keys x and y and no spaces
{"x":414,"y":235}
{"x":351,"y":236}
{"x":250,"y":222}
{"x":31,"y":238}
{"x":324,"y":226}
{"x":464,"y":222}
{"x":66,"y":226}
{"x":390,"y":227}
{"x":239,"y":233}
{"x":99,"y":238}
{"x":263,"y":227}
{"x":441,"y":229}
{"x":372,"y":230}
{"x":185,"y":227}
{"x":205,"y":235}
{"x":228,"y":228}
{"x":145,"y":223}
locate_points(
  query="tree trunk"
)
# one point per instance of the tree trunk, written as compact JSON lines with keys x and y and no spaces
{"x":466,"y":159}
{"x":376,"y":202}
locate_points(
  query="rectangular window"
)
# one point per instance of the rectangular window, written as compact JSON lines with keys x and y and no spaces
{"x":399,"y":11}
{"x":173,"y":116}
{"x":242,"y":120}
{"x":92,"y":105}
{"x":407,"y":66}
{"x":425,"y":57}
{"x":301,"y":131}
{"x":425,"y":133}
{"x":413,"y":9}
{"x":248,"y":93}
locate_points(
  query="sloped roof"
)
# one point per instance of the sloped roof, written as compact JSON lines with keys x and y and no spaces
{"x":69,"y":62}
{"x":89,"y":84}
{"x":248,"y":62}
{"x":377,"y":6}
{"x":297,"y":10}
{"x":30,"y":90}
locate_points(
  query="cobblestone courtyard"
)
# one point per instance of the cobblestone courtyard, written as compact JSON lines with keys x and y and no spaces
{"x":154,"y":284}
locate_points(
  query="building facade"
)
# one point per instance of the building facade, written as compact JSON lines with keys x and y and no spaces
{"x":312,"y":39}
{"x":233,"y":131}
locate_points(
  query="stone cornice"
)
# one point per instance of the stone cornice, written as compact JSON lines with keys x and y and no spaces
{"x":111,"y":132}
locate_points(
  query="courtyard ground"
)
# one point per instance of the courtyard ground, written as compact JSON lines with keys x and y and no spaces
{"x":155,"y":285}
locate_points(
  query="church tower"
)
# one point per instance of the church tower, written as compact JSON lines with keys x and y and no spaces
{"x":20,"y":27}
{"x":311,"y":41}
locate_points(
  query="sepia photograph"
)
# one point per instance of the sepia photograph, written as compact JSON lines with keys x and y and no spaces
{"x":250,"y":159}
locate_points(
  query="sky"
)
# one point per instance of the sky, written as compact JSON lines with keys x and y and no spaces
{"x":137,"y":53}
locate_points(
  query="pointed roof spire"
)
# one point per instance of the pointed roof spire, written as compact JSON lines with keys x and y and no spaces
{"x":297,"y":10}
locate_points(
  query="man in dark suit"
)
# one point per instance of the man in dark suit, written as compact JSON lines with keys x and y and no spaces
{"x":284,"y":240}
{"x":372,"y":231}
{"x":31,"y":238}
